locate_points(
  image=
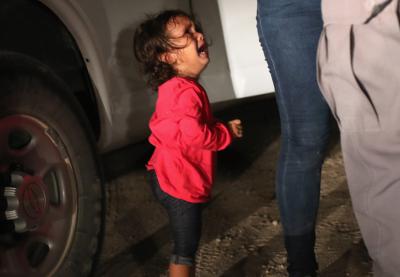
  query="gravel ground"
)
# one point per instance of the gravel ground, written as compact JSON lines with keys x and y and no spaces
{"x":242,"y":233}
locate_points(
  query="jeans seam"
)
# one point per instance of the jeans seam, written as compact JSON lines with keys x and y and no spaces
{"x":264,"y":44}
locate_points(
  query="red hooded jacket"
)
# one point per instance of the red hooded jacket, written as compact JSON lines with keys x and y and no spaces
{"x":186,"y":138}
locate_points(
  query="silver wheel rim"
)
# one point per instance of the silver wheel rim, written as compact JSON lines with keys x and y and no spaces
{"x":44,"y":196}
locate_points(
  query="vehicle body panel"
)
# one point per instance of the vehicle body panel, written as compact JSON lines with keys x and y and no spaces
{"x":248,"y":69}
{"x":103,"y":30}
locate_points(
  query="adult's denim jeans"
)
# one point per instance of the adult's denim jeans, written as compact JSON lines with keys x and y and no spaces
{"x":289,"y":31}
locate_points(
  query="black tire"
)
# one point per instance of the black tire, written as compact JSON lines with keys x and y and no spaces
{"x":46,"y":143}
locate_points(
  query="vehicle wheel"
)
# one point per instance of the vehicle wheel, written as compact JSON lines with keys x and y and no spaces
{"x":54,"y":197}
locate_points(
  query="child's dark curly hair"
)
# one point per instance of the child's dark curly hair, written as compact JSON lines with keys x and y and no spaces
{"x":150,"y":41}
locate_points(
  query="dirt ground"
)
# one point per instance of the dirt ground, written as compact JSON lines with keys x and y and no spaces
{"x":242,"y":234}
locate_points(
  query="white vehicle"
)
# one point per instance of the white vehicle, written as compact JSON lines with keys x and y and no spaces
{"x":70,"y":90}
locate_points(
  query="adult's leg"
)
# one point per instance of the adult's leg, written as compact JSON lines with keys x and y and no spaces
{"x":361,"y":84}
{"x":289,"y":31}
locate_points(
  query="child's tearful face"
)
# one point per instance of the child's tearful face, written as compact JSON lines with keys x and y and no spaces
{"x":191,"y":54}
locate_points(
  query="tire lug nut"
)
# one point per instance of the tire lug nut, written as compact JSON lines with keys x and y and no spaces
{"x":10,"y":192}
{"x":11,"y":215}
{"x":16,"y":179}
{"x":20,"y":226}
{"x":12,"y":203}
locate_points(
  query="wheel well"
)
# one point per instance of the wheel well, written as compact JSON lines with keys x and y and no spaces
{"x":30,"y":28}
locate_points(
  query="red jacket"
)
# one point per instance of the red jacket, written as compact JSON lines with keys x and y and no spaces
{"x":186,"y":138}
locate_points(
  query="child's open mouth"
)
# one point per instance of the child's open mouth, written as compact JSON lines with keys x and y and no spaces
{"x":202,"y":50}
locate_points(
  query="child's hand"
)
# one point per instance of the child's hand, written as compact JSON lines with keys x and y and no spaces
{"x":235,"y":127}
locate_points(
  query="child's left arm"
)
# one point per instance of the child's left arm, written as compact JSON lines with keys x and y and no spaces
{"x":195,"y":130}
{"x":235,"y":127}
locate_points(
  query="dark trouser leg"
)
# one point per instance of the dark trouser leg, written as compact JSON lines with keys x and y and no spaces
{"x":185,"y":221}
{"x":289,"y":32}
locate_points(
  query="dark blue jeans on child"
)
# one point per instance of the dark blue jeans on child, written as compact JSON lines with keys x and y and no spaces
{"x":185,"y":222}
{"x":289,"y":31}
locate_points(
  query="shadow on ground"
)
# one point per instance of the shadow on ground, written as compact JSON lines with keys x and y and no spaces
{"x":244,"y":185}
